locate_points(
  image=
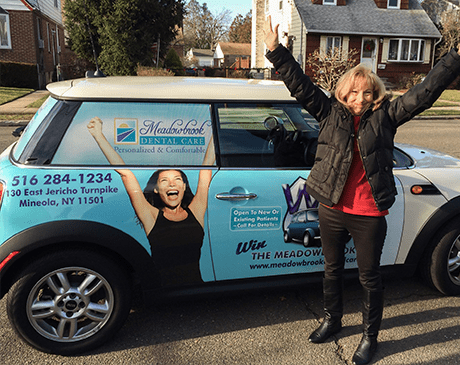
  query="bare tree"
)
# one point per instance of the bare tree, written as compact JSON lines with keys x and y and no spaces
{"x":202,"y":29}
{"x":328,"y":67}
{"x":240,"y":30}
{"x":449,"y":28}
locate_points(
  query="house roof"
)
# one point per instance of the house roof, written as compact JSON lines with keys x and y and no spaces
{"x":364,"y":17}
{"x":235,"y":49}
{"x":202,"y":52}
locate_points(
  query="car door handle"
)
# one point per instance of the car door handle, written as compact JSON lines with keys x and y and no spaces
{"x":233,"y":196}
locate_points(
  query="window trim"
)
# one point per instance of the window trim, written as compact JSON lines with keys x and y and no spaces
{"x":397,"y":6}
{"x":420,"y":57}
{"x":6,"y":16}
{"x":330,"y":2}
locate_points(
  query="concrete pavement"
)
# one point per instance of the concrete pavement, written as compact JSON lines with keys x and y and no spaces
{"x":20,"y":106}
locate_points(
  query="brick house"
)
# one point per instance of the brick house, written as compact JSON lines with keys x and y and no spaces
{"x":394,"y":37}
{"x":32,"y":32}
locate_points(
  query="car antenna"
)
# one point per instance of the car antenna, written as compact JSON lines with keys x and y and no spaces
{"x":98,"y":72}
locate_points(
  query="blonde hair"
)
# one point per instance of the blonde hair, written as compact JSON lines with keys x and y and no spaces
{"x":348,"y":79}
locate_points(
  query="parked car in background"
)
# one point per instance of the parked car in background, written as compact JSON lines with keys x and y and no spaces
{"x":178,"y":187}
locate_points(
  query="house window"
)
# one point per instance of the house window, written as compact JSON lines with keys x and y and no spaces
{"x":406,"y":50}
{"x":393,"y":4}
{"x":332,"y":43}
{"x":5,"y":36}
{"x":329,"y":2}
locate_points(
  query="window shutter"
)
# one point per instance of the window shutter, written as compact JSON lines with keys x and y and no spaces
{"x":386,"y":42}
{"x":323,"y":44}
{"x":427,"y":51}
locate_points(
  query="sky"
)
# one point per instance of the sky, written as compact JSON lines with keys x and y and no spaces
{"x":235,"y":6}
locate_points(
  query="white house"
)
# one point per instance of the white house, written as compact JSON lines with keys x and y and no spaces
{"x":200,"y":57}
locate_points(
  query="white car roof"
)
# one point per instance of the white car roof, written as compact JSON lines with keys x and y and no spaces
{"x":171,"y":88}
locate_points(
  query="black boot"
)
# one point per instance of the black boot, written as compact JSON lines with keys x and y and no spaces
{"x":333,"y":308}
{"x":372,"y":318}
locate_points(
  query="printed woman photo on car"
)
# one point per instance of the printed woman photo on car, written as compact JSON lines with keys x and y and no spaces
{"x":171,"y":216}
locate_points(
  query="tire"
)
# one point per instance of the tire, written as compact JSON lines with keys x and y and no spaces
{"x":440,"y":265}
{"x":287,"y":237}
{"x":306,"y":239}
{"x":69,"y":302}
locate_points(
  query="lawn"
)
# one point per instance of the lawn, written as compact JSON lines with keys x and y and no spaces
{"x":10,"y":93}
{"x":451,"y":95}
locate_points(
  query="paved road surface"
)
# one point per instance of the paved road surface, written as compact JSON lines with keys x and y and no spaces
{"x":420,"y":325}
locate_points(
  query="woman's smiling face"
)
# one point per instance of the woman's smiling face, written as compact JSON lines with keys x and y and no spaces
{"x":171,"y":188}
{"x":360,"y":96}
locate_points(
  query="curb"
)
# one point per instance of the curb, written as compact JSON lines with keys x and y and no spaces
{"x":13,"y":123}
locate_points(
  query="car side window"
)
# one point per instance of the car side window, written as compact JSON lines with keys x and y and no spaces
{"x":141,"y":133}
{"x":256,"y":135}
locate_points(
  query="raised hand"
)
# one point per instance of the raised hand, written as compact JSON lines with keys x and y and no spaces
{"x":270,"y":34}
{"x":95,"y":127}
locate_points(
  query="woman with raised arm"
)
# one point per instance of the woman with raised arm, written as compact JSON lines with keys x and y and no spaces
{"x":352,"y":176}
{"x":172,"y":217}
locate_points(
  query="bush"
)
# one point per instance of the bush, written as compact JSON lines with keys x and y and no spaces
{"x":327,"y":68}
{"x":173,"y":62}
{"x":151,"y":71}
{"x":23,"y":75}
{"x":407,"y":82}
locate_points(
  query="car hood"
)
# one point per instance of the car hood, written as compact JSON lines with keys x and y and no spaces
{"x":428,"y":158}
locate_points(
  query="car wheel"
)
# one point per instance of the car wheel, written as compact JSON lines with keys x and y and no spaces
{"x":306,"y":239}
{"x":69,"y":302}
{"x":441,"y":263}
{"x":287,"y":238}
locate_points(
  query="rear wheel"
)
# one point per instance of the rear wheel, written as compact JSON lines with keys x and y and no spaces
{"x":69,"y":302}
{"x":441,"y":263}
{"x":287,"y":237}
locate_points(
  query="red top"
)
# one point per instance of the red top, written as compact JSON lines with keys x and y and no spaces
{"x":357,"y":194}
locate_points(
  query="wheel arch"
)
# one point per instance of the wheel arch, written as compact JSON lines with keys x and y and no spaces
{"x":88,"y":235}
{"x":444,"y":214}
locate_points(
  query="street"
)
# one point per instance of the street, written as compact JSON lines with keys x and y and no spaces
{"x":420,"y":326}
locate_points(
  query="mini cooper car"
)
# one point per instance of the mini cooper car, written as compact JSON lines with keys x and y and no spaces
{"x":304,"y":227}
{"x":182,"y":186}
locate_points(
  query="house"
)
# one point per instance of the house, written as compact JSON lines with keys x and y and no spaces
{"x":233,"y":55}
{"x":394,"y":37}
{"x":200,"y":57}
{"x":32,"y":32}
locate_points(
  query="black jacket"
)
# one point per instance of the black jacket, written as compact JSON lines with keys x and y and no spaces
{"x":375,"y":134}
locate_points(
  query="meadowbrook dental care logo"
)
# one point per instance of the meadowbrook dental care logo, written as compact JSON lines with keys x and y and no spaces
{"x":175,"y":133}
{"x":126,"y":131}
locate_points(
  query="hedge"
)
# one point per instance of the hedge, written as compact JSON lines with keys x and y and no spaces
{"x":13,"y":74}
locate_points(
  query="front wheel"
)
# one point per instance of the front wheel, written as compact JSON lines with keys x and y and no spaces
{"x":306,"y":239}
{"x":69,"y":302}
{"x":441,"y":263}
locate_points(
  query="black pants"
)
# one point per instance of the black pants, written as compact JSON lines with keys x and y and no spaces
{"x":368,"y":236}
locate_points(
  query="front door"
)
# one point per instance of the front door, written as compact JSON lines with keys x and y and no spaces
{"x":369,"y":53}
{"x":262,"y":221}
